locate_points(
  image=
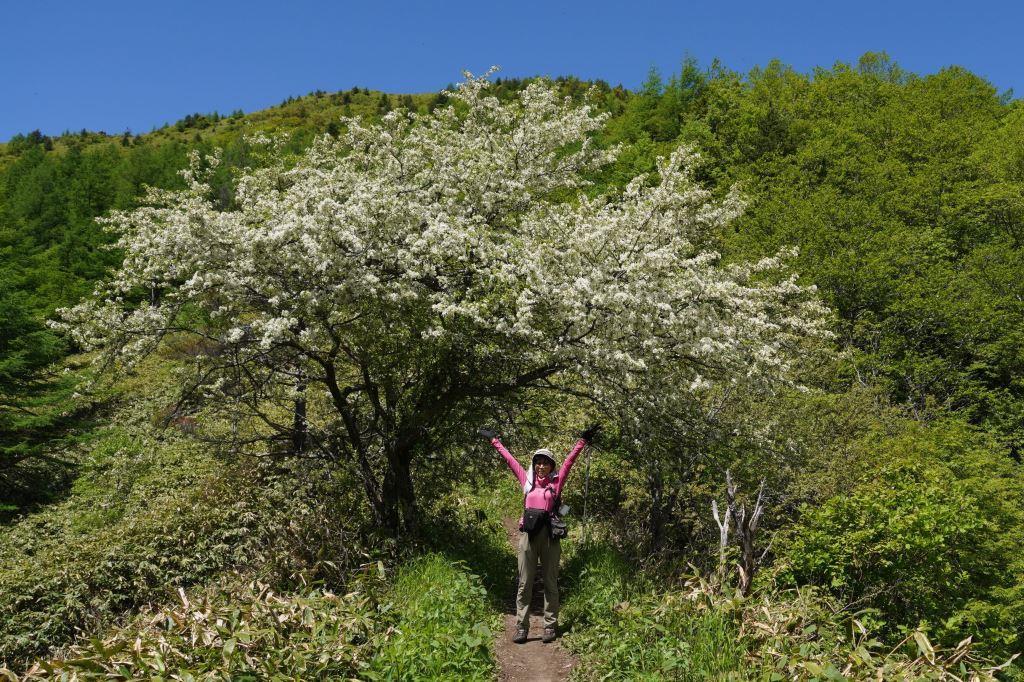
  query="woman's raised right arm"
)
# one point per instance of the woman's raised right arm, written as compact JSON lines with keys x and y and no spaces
{"x":512,"y":462}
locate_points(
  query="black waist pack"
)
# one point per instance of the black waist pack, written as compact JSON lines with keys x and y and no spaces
{"x":533,"y":520}
{"x":558,"y":528}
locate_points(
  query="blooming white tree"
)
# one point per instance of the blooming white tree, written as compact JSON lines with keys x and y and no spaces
{"x":414,"y":273}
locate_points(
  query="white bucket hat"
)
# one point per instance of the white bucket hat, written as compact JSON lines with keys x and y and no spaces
{"x":543,"y":452}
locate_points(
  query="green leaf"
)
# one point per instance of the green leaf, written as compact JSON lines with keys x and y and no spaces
{"x":924,"y":646}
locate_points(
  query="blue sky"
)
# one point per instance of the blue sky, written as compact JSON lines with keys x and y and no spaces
{"x":112,"y":66}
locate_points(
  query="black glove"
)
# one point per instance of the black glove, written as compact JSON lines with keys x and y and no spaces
{"x":591,"y":432}
{"x":488,"y":433}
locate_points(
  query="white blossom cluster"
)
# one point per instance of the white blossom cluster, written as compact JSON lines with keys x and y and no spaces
{"x":463,"y":233}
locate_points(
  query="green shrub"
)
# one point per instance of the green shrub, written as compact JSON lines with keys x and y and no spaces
{"x":932,"y":540}
{"x":596,"y":578}
{"x":443,"y":625}
{"x":432,"y":622}
{"x":628,"y":626}
{"x":660,"y":636}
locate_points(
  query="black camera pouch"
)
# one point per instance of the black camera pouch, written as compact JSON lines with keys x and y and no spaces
{"x":533,"y":520}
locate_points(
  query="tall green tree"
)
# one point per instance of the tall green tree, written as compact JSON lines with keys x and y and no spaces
{"x":28,"y":389}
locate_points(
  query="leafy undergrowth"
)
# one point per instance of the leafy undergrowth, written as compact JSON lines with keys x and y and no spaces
{"x":243,"y":633}
{"x":624,"y":627}
{"x":83,"y":564}
{"x":465,"y":525}
{"x":135,"y":523}
{"x":804,"y":635}
{"x":432,"y":622}
{"x":153,"y":510}
{"x":156,"y":513}
{"x":444,"y":629}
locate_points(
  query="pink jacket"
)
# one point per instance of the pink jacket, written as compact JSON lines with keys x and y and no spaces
{"x":542,"y":493}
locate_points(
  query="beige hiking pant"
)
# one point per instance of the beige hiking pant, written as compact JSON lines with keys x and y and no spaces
{"x":549,"y":551}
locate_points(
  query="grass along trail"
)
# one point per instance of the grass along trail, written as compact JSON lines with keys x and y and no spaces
{"x":533,"y":661}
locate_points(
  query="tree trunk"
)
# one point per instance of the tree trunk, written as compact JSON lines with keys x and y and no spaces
{"x":299,"y":425}
{"x":656,"y":518}
{"x":748,"y":562}
{"x":387,"y":511}
{"x":398,"y":513}
{"x":722,"y":521}
{"x":407,"y":499}
{"x":746,"y":527}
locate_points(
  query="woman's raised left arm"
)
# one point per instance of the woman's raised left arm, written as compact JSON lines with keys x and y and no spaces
{"x":563,"y":472}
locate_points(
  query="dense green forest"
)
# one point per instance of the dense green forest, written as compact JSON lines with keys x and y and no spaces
{"x":894,"y":487}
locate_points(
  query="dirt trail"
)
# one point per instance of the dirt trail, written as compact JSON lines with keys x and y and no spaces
{"x":533,"y":661}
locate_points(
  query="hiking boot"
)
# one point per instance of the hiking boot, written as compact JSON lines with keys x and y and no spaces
{"x":549,"y":635}
{"x":520,"y":636}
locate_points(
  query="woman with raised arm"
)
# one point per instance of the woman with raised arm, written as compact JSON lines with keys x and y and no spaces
{"x":539,"y":538}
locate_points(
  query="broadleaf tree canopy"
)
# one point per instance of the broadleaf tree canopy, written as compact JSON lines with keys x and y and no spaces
{"x":409,"y":276}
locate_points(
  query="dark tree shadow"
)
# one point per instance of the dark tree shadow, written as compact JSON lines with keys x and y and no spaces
{"x":33,"y":473}
{"x":478,"y":542}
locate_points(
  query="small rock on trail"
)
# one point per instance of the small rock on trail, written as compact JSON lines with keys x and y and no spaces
{"x":533,"y":661}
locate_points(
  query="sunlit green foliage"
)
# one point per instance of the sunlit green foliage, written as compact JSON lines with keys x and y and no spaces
{"x":930,"y":537}
{"x":905,"y":194}
{"x":443,"y":630}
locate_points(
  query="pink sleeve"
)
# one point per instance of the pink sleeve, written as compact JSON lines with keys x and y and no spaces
{"x":563,"y":473}
{"x":512,"y":462}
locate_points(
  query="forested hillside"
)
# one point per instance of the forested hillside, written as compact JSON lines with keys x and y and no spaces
{"x":829,"y":307}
